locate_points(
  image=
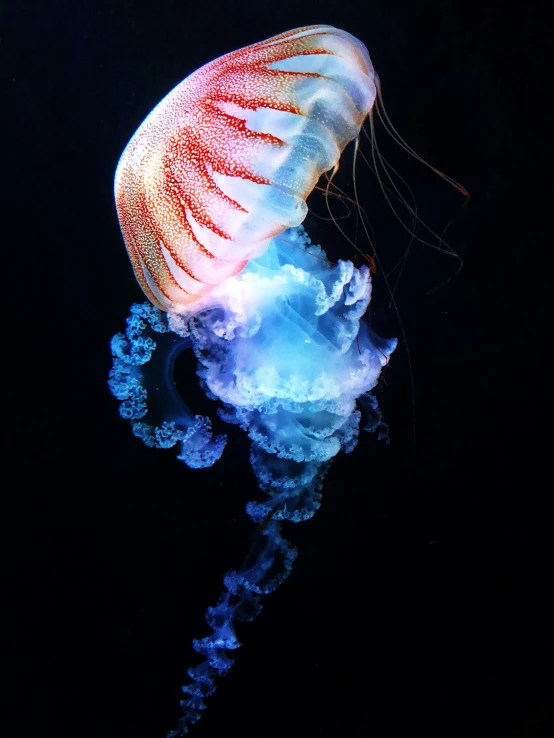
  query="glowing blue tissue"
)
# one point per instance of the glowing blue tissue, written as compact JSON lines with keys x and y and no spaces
{"x":285,"y":351}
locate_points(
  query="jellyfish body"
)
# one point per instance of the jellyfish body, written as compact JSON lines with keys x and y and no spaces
{"x":227,"y":159}
{"x":210,"y":195}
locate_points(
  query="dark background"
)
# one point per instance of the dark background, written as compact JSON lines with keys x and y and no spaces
{"x":420,"y":601}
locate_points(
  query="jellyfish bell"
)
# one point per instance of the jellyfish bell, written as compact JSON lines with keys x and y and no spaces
{"x":226,"y":161}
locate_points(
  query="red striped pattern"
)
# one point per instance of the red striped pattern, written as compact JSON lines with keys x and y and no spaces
{"x":228,"y":157}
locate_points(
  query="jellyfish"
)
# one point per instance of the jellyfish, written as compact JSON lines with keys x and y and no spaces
{"x":211,"y":195}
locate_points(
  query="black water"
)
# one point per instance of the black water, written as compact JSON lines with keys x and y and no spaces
{"x":420,"y":603}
